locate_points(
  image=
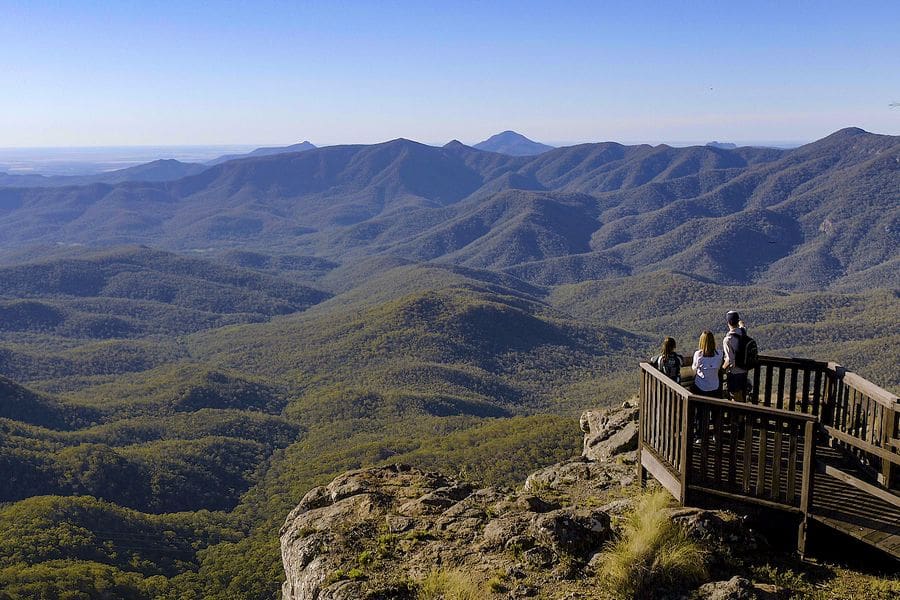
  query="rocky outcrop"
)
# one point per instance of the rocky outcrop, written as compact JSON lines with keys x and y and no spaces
{"x":608,"y":432}
{"x":404,"y":522}
{"x":376,"y":533}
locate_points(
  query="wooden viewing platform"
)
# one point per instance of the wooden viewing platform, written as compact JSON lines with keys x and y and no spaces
{"x":812,"y":439}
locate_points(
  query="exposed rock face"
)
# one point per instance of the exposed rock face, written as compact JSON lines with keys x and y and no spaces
{"x":374,"y":533}
{"x":410,"y":521}
{"x":608,"y":432}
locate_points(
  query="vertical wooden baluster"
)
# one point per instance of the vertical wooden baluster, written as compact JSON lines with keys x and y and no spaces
{"x":792,"y":397}
{"x":673,"y":428}
{"x":756,"y":392}
{"x":685,"y":453}
{"x":655,"y":415}
{"x":654,"y":424}
{"x":720,"y":438}
{"x":840,"y":406}
{"x":682,"y":430}
{"x":641,"y":476}
{"x":887,"y":467}
{"x":804,"y":398}
{"x":776,"y":460}
{"x":779,"y":398}
{"x":667,"y":425}
{"x":761,"y":457}
{"x":660,"y":414}
{"x":829,"y":401}
{"x":807,"y":484}
{"x":734,"y":420}
{"x":663,"y":415}
{"x":872,"y":407}
{"x":704,"y":443}
{"x":794,"y":430}
{"x":817,"y":393}
{"x":676,"y":428}
{"x":768,"y":397}
{"x":748,"y":450}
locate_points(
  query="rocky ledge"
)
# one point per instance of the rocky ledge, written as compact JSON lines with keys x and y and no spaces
{"x":377,"y":533}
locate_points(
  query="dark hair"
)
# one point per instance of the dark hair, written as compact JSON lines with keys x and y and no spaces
{"x":732,"y":318}
{"x":668,"y":346}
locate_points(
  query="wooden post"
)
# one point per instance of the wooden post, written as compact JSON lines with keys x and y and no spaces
{"x":888,"y":431}
{"x":642,"y":408}
{"x":806,"y":488}
{"x":685,"y":447}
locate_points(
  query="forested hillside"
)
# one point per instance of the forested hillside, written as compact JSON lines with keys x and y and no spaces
{"x":181,"y":361}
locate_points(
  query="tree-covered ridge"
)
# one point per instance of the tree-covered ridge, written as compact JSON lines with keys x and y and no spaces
{"x":820,"y":215}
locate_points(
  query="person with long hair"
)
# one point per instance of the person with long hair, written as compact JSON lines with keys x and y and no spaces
{"x":706,"y":365}
{"x":668,"y":361}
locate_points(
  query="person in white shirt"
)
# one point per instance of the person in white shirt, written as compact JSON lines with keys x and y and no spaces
{"x":706,"y":365}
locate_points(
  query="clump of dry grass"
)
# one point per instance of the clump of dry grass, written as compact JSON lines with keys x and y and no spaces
{"x":446,"y":584}
{"x":651,"y":554}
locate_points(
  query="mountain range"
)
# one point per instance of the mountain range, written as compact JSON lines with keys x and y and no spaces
{"x":823,"y":214}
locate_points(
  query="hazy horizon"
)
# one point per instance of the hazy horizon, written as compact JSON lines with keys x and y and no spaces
{"x":87,"y":160}
{"x":219,"y":73}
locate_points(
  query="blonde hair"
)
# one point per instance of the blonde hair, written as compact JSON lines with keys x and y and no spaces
{"x":707,"y":343}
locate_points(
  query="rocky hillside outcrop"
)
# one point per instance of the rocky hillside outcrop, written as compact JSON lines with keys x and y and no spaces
{"x":394,"y":531}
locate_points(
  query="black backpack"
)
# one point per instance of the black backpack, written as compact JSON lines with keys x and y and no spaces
{"x":747,"y":356}
{"x":671,"y":366}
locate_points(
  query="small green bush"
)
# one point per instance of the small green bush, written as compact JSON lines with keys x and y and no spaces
{"x":651,"y":554}
{"x":366,"y":558}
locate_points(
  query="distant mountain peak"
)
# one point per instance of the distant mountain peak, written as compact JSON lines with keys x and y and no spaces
{"x":722,"y":145}
{"x":847,"y":132}
{"x":512,"y":143}
{"x":265,"y":151}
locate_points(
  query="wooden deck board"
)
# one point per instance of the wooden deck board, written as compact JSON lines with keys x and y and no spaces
{"x":851,"y":510}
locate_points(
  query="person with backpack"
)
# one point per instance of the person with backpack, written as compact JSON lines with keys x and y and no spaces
{"x":706,"y":365}
{"x":741,"y":355}
{"x":668,"y":361}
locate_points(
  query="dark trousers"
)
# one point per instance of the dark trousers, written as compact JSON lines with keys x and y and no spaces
{"x":736,"y":385}
{"x":695,"y":424}
{"x":716,"y":393}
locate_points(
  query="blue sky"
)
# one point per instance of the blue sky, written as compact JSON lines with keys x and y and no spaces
{"x":142,"y":73}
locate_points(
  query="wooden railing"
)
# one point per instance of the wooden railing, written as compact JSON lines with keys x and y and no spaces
{"x":692,"y":443}
{"x":792,"y":384}
{"x":863,"y":421}
{"x":759,"y":453}
{"x":662,"y":429}
{"x":763,"y":451}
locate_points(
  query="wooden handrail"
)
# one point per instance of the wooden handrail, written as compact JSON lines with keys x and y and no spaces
{"x":861,"y":445}
{"x":800,"y":362}
{"x":876,"y":393}
{"x":678,"y":389}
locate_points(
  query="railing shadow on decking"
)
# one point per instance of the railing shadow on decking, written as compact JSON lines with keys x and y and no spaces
{"x":764,"y":451}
